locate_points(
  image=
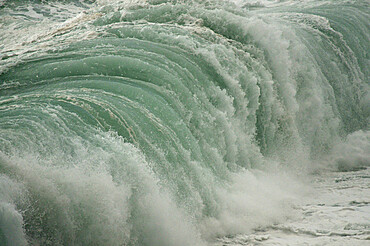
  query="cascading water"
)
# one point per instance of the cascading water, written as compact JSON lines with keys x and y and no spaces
{"x":173,"y":122}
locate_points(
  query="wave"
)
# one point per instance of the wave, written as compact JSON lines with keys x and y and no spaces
{"x":173,"y":122}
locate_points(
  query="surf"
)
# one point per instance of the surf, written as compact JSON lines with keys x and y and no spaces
{"x":173,"y":122}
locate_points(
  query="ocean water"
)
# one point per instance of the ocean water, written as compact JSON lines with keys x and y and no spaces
{"x":173,"y":123}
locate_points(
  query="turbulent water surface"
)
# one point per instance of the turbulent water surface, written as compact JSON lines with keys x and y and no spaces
{"x":205,"y":122}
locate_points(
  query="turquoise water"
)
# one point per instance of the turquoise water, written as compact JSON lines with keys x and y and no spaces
{"x":173,"y":122}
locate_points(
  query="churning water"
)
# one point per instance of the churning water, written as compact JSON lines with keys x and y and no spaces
{"x":205,"y":122}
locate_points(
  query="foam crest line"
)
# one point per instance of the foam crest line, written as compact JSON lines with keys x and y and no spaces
{"x":172,"y":122}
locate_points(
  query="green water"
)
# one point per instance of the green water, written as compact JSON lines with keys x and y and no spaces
{"x":172,"y":122}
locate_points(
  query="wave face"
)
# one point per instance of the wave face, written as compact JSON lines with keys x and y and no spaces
{"x":172,"y":122}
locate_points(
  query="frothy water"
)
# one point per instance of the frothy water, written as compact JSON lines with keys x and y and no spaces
{"x":177,"y":122}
